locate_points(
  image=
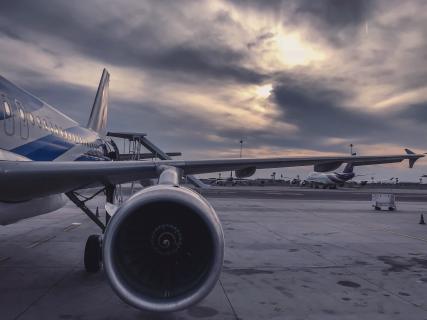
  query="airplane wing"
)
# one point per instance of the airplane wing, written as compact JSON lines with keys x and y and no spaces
{"x":23,"y":180}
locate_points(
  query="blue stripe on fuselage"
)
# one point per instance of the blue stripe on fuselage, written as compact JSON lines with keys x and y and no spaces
{"x":51,"y":146}
{"x":47,"y":148}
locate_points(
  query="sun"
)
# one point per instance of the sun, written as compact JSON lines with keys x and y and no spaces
{"x":264,"y":91}
{"x":292,"y":51}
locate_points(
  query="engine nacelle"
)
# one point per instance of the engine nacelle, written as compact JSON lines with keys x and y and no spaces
{"x":246,"y":172}
{"x":163,"y":249}
{"x":328,"y":166}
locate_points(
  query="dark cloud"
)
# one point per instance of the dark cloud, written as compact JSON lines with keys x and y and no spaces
{"x":415,"y":113}
{"x":113,"y":40}
{"x":311,"y":107}
{"x":336,"y":14}
{"x":259,"y":39}
{"x":321,"y":112}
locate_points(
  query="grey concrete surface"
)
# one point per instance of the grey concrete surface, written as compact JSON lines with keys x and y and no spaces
{"x":285,"y":259}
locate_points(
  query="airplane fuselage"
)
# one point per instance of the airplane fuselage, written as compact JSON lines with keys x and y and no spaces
{"x":329,"y":179}
{"x":32,"y":130}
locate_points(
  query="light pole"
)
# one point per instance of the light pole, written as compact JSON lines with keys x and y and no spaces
{"x":351,"y":150}
{"x":241,"y":147}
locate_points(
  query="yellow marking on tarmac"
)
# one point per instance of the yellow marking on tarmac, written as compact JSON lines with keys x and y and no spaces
{"x":39,"y":242}
{"x":72,"y":226}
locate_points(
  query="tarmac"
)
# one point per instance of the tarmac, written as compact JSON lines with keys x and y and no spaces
{"x":291,"y":253}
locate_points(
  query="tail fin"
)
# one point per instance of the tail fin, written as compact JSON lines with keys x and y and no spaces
{"x":98,"y":116}
{"x":348,"y":168}
{"x":411,"y":161}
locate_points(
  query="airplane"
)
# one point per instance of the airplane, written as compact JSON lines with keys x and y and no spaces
{"x":162,"y":249}
{"x":333,"y":179}
{"x":330,"y":179}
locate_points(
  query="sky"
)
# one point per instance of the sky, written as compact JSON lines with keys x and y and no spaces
{"x":290,"y":77}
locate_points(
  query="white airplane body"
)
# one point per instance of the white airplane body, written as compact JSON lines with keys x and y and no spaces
{"x":162,"y":249}
{"x":331,"y":179}
{"x":32,"y":130}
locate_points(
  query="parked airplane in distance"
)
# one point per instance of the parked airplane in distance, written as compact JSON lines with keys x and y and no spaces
{"x":162,"y":249}
{"x":330,"y":179}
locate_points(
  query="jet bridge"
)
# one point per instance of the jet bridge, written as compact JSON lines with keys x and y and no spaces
{"x":135,"y":141}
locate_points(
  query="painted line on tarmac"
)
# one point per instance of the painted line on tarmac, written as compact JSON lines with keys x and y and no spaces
{"x":3,"y":259}
{"x":72,"y":226}
{"x":39,"y":242}
{"x":285,"y":193}
{"x":405,"y":195}
{"x":404,"y":235}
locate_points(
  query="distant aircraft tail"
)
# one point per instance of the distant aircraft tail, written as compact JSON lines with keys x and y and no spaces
{"x":411,"y":161}
{"x":348,"y":168}
{"x":98,"y":116}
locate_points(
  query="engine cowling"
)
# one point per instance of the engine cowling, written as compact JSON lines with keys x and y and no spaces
{"x":328,"y":166}
{"x":163,"y":249}
{"x":246,"y":172}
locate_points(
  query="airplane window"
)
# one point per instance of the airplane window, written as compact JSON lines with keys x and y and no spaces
{"x":21,"y":113}
{"x":7,"y":109}
{"x":31,"y":117}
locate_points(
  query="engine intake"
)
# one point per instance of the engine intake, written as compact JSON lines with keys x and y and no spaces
{"x":163,"y":249}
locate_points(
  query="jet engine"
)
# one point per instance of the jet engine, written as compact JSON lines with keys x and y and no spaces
{"x":163,"y":249}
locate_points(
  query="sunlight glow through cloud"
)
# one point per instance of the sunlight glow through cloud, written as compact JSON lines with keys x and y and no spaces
{"x":292,"y":51}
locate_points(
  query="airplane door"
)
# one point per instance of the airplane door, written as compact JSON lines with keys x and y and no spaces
{"x":8,"y":116}
{"x":24,"y":127}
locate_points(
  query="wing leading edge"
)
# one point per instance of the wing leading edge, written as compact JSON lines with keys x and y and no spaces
{"x":23,"y":180}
